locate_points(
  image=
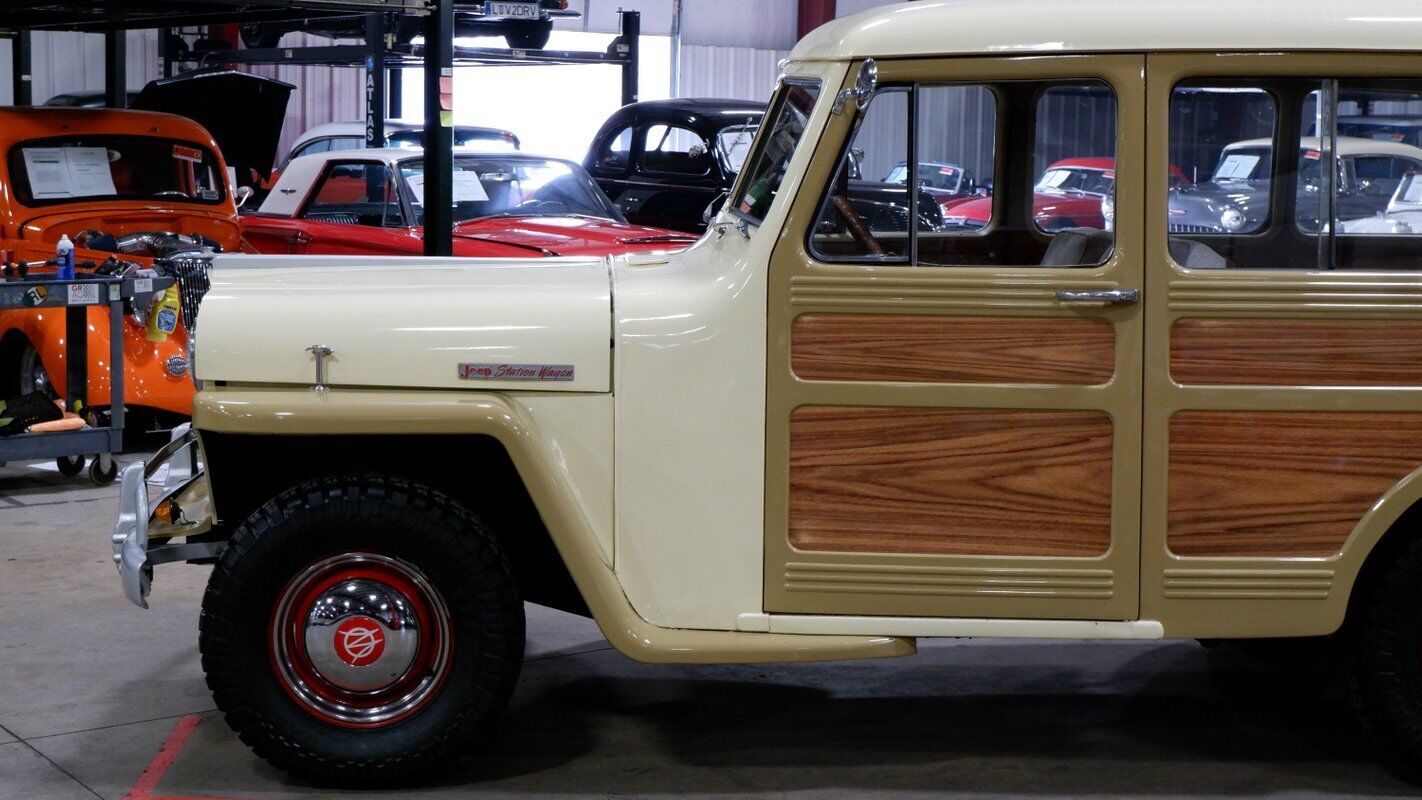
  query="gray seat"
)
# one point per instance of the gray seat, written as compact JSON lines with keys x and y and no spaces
{"x":1193,"y":255}
{"x":1077,"y":247}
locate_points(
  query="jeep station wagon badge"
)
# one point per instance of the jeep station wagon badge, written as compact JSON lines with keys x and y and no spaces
{"x":515,"y":372}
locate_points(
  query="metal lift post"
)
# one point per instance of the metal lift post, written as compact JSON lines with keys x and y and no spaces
{"x":375,"y":75}
{"x":116,"y":69}
{"x":20,"y":58}
{"x":439,"y":131}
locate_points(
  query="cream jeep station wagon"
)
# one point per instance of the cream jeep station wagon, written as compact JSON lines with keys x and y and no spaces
{"x":845,"y":419}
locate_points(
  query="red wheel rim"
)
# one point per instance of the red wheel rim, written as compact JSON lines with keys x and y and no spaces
{"x":360,"y":640}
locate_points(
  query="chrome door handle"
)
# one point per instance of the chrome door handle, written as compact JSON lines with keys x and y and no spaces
{"x":1101,"y":297}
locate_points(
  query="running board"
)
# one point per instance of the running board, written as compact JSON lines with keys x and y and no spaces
{"x":928,"y":627}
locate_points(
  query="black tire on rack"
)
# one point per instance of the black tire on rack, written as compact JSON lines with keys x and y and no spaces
{"x":1384,"y":655}
{"x":70,"y":466}
{"x":317,"y":678}
{"x":528,"y":35}
{"x":260,"y":35}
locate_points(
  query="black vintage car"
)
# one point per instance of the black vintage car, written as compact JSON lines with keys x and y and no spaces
{"x":664,"y":161}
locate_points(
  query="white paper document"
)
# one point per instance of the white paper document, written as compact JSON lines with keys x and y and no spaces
{"x":57,"y":173}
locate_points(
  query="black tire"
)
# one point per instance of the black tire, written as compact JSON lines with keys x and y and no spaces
{"x":70,"y":466}
{"x":260,"y":35}
{"x":339,"y":517}
{"x":1385,"y":658}
{"x":101,"y":476}
{"x":528,"y":35}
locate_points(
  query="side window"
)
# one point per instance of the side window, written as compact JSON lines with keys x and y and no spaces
{"x":675,"y":151}
{"x":775,"y":146}
{"x":616,"y":152}
{"x":865,"y":217}
{"x":347,"y":143}
{"x":310,"y":148}
{"x":356,"y":194}
{"x":1014,"y":173}
{"x":1279,"y":183}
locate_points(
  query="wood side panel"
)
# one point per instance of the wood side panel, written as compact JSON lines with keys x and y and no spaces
{"x":1003,"y":482}
{"x":1269,"y":352}
{"x":947,"y":349}
{"x":1281,"y":484}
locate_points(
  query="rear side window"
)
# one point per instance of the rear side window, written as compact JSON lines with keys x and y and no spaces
{"x":775,"y":146}
{"x":615,"y":155}
{"x":1296,"y":173}
{"x":675,"y":151}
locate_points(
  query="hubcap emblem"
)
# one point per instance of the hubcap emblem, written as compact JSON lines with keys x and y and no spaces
{"x":359,"y":641}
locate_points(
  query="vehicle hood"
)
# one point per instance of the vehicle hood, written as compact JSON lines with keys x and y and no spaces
{"x":1202,"y":204}
{"x":218,"y":223}
{"x":409,"y":323}
{"x":573,"y":236}
{"x":243,"y":112}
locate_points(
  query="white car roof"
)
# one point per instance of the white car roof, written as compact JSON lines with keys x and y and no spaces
{"x":1347,"y":146}
{"x":353,"y":128}
{"x":1009,"y":27}
{"x":296,"y":180}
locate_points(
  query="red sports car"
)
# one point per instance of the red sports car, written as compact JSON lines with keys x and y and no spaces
{"x":1070,"y":194}
{"x":371,"y":202}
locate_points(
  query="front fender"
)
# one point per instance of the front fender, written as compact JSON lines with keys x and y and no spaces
{"x":302,"y":412}
{"x":147,"y":383}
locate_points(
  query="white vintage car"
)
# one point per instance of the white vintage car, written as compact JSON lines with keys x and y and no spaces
{"x":822,"y":432}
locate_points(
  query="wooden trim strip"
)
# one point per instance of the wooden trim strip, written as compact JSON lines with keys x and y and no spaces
{"x":1282,"y":352}
{"x":1004,"y":482}
{"x":952,"y":349}
{"x":1281,"y":484}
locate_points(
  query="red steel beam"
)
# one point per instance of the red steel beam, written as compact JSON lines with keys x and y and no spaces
{"x":814,"y":13}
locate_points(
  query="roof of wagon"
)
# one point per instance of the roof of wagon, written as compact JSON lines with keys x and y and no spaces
{"x":1008,"y":27}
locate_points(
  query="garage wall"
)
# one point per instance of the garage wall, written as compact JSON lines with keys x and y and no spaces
{"x":323,"y":94}
{"x":741,"y":73}
{"x":74,"y":62}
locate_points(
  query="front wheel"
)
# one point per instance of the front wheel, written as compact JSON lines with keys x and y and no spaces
{"x":1385,"y":658}
{"x":259,"y":35}
{"x":361,"y":629}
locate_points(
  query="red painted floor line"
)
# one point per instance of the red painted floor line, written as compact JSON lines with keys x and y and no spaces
{"x":158,"y":767}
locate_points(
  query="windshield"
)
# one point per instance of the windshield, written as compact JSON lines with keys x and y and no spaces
{"x":70,"y":169}
{"x":776,"y":147}
{"x":734,"y":144}
{"x":1063,"y":180}
{"x":513,"y":186}
{"x":463,"y":137}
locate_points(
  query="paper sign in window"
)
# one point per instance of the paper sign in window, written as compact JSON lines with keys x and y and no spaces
{"x":58,"y":173}
{"x":467,"y":187}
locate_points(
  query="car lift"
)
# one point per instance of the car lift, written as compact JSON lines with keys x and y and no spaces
{"x":438,"y":56}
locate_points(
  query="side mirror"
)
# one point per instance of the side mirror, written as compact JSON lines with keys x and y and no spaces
{"x":243,"y":194}
{"x":714,"y":208}
{"x":865,"y":84}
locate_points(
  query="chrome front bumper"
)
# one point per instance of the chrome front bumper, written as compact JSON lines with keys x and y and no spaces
{"x":173,"y":471}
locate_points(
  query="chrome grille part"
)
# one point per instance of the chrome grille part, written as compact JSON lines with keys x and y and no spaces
{"x":193,"y":272}
{"x":1176,"y":228}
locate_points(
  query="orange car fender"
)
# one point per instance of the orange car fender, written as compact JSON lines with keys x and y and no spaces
{"x":148,"y":382}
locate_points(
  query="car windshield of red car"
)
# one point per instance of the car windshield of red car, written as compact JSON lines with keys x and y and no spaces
{"x":1072,"y":180}
{"x":71,"y":169}
{"x":491,"y":186}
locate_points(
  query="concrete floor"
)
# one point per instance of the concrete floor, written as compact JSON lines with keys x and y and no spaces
{"x":91,"y":688}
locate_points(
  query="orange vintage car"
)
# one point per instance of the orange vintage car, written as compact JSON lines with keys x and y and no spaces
{"x":135,"y":185}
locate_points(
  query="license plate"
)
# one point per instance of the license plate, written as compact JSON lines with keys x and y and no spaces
{"x":512,"y":10}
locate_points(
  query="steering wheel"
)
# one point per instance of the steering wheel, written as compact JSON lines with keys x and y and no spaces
{"x":554,"y":206}
{"x":857,"y":228}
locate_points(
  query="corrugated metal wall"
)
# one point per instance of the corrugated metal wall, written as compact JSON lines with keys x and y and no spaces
{"x":323,"y":94}
{"x":743,"y":73}
{"x":74,"y":62}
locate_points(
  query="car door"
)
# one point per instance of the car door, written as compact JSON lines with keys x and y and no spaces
{"x":675,"y":178}
{"x":953,"y":413}
{"x":611,"y":162}
{"x":1282,"y":427}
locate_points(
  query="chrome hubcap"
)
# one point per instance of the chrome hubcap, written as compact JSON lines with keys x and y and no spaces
{"x":32,"y":375}
{"x":361,"y":639}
